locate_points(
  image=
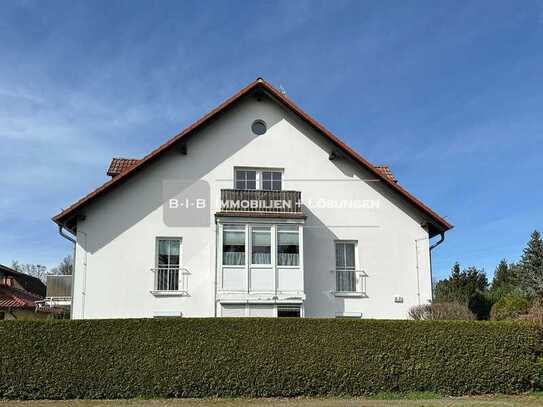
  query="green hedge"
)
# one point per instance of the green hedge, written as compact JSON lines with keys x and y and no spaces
{"x":263,"y":357}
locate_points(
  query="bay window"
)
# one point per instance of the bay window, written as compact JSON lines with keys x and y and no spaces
{"x":288,"y":245}
{"x":281,"y":240}
{"x":261,"y":245}
{"x":234,"y":245}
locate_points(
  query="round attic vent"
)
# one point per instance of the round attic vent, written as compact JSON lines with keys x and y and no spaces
{"x":259,"y":127}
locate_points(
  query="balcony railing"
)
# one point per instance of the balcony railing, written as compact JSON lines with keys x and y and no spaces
{"x":350,"y":282}
{"x":170,"y":281}
{"x":59,"y":286}
{"x":243,"y":200}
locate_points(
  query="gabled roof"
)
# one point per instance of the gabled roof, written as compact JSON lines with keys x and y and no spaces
{"x":66,"y":217}
{"x":11,"y":297}
{"x":31,"y":284}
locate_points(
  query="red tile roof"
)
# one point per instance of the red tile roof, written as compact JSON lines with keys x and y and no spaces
{"x":11,"y":297}
{"x":119,"y":165}
{"x":437,"y":224}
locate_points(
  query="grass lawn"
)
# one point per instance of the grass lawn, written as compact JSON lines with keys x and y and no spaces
{"x":416,"y":399}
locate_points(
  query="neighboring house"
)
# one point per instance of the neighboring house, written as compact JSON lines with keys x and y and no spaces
{"x":254,"y":210}
{"x":20,"y":295}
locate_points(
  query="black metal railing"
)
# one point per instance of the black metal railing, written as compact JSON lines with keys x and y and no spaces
{"x":243,"y":200}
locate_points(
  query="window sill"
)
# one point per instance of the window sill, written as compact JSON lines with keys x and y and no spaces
{"x":352,"y":294}
{"x":159,"y":293}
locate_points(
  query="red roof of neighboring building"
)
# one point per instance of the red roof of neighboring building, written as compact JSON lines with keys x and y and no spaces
{"x":11,"y":297}
{"x":437,"y":225}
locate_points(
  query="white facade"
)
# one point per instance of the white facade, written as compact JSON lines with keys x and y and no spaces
{"x":117,"y":233}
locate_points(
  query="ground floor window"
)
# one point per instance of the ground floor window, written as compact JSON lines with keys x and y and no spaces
{"x":260,"y":310}
{"x":288,"y":311}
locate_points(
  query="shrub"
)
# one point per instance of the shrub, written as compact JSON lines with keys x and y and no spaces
{"x":510,"y":307}
{"x":441,"y":312}
{"x":535,"y":313}
{"x":183,"y":357}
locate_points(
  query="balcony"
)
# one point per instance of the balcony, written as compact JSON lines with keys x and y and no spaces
{"x":350,"y":283}
{"x":59,"y":290}
{"x":242,"y":202}
{"x":170,"y":282}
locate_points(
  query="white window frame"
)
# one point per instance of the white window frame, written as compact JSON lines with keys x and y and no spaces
{"x":356,"y":270}
{"x":157,"y":242}
{"x":249,"y":249}
{"x":155,"y":289}
{"x":247,"y":241}
{"x":277,"y":227}
{"x":259,"y":177}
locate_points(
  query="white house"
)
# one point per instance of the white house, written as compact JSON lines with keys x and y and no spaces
{"x":254,"y":210}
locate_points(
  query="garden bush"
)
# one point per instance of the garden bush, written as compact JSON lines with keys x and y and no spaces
{"x":510,"y":307}
{"x":264,"y":357}
{"x":446,"y":311}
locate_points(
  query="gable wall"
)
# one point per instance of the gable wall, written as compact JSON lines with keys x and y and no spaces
{"x":116,"y":242}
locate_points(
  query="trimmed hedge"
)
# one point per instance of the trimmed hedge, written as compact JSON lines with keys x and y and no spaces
{"x":263,"y":357}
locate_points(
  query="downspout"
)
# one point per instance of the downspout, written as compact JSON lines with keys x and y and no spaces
{"x":441,"y":240}
{"x":71,"y":239}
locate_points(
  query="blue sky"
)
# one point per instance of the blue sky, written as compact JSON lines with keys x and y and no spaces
{"x":448,"y":93}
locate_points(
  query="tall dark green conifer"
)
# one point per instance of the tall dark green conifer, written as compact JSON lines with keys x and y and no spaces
{"x":531,"y":266}
{"x":505,"y":279}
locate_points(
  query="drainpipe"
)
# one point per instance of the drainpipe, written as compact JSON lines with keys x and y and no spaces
{"x":441,"y":240}
{"x":71,"y":239}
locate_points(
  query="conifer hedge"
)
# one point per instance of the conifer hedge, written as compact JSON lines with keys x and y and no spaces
{"x":183,"y":357}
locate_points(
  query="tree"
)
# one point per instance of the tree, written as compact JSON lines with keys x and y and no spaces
{"x":65,"y":267}
{"x":34,"y":270}
{"x":467,"y":287}
{"x":504,"y":277}
{"x":531,"y":266}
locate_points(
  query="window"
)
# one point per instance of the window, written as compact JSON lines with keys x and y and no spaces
{"x":259,"y":127}
{"x":167,"y":272}
{"x":261,"y":179}
{"x":288,"y":245}
{"x":345,"y":267}
{"x":288,"y":311}
{"x":233,"y":245}
{"x":261,"y":245}
{"x":245,"y":179}
{"x":271,"y":180}
{"x":2,"y":315}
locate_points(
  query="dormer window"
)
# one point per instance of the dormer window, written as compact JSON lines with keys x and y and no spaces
{"x":258,"y":179}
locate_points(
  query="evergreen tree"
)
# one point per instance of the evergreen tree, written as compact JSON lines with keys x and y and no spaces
{"x":466,"y":287}
{"x":531,"y":266}
{"x":505,"y":278}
